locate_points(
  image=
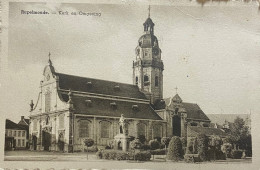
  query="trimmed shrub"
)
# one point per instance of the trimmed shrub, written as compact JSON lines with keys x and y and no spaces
{"x":203,"y":147}
{"x":143,"y":156}
{"x":165,"y":141}
{"x":158,"y":152}
{"x":192,"y":158}
{"x":108,"y":147}
{"x":146,"y":147}
{"x":122,"y":156}
{"x":226,"y":148}
{"x":89,"y":142}
{"x":142,"y":139}
{"x":236,"y":154}
{"x":158,"y":139}
{"x":154,"y":144}
{"x":99,"y":154}
{"x":184,"y":141}
{"x":175,"y":149}
{"x":135,"y":144}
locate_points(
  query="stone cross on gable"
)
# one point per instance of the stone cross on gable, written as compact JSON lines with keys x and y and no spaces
{"x":176,"y":88}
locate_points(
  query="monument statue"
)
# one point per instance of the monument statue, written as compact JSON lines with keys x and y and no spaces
{"x":122,"y":124}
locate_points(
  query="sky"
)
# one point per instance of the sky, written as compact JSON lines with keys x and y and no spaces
{"x":210,"y":53}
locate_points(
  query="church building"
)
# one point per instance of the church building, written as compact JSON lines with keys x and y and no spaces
{"x":71,"y":108}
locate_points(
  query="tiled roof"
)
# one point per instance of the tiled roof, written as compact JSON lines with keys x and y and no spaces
{"x":11,"y":125}
{"x":194,"y":111}
{"x":221,"y":118}
{"x":91,"y":85}
{"x":102,"y":107}
{"x":208,"y":131}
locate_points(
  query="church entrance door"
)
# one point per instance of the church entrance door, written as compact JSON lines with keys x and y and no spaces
{"x":46,"y":140}
{"x":61,"y":142}
{"x":34,"y":142}
{"x":176,"y":125}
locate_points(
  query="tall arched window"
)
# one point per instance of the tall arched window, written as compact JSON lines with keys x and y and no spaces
{"x":84,"y":128}
{"x":48,"y":101}
{"x":136,"y":80}
{"x":105,"y":129}
{"x":141,"y":129}
{"x":156,"y":81}
{"x":157,"y":131}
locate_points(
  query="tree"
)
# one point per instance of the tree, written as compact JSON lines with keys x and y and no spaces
{"x":88,"y":142}
{"x":203,"y":147}
{"x":175,"y":149}
{"x":239,"y":134}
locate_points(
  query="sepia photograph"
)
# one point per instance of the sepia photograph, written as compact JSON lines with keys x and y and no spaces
{"x":130,"y":85}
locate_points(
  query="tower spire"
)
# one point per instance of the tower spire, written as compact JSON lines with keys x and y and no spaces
{"x":149,"y":10}
{"x":50,"y":63}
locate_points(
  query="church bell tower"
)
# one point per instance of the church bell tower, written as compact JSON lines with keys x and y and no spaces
{"x":148,"y":66}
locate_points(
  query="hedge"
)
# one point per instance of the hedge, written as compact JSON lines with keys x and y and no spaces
{"x":192,"y":158}
{"x":236,"y":154}
{"x":158,"y":152}
{"x":120,"y":155}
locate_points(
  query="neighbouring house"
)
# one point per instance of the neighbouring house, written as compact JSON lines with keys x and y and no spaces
{"x":25,"y":123}
{"x":15,"y":135}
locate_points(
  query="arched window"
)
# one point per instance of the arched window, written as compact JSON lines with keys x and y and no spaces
{"x":146,"y":78}
{"x":105,"y":129}
{"x":156,"y":81}
{"x":48,"y":102}
{"x":84,"y":128}
{"x":136,"y":80}
{"x":141,"y":129}
{"x":157,"y":131}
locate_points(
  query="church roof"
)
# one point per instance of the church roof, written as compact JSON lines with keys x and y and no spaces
{"x":112,"y":108}
{"x":206,"y":130}
{"x":84,"y":84}
{"x":194,"y":111}
{"x":148,"y":41}
{"x":149,"y":21}
{"x":177,"y":98}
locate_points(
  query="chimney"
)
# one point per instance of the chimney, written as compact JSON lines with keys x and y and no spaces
{"x":22,"y":117}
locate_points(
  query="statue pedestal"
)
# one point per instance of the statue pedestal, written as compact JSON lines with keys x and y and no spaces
{"x":121,"y":142}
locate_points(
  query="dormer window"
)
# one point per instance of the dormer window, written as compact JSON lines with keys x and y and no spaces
{"x":135,"y":108}
{"x":88,"y":102}
{"x":89,"y":84}
{"x":113,"y":105}
{"x":116,"y":88}
{"x":194,"y":124}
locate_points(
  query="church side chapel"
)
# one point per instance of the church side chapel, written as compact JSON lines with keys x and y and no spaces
{"x":70,"y":108}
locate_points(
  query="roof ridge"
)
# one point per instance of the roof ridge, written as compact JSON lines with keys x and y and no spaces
{"x":95,"y":79}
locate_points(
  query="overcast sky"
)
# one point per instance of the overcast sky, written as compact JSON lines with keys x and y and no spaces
{"x":210,"y":53}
